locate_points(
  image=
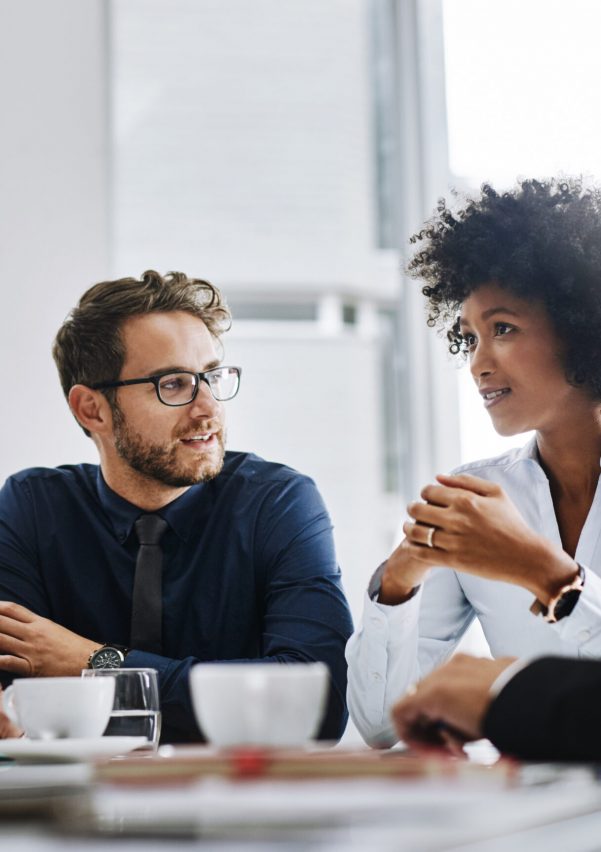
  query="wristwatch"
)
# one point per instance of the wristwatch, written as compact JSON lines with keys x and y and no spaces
{"x":563,"y":602}
{"x":108,"y":657}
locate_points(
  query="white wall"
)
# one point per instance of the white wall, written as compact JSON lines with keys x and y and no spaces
{"x":54,"y":169}
{"x":244,"y":142}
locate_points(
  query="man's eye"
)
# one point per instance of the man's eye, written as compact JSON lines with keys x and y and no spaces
{"x":171,"y":383}
{"x":502,"y":328}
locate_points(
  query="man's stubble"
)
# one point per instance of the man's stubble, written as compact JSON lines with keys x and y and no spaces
{"x":159,"y":462}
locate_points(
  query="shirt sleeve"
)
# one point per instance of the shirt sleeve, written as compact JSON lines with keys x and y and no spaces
{"x":20,"y":576}
{"x":395,"y":646}
{"x":305,"y":615}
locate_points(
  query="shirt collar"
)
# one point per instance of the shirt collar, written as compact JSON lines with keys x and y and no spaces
{"x":123,"y":514}
{"x":529,"y":451}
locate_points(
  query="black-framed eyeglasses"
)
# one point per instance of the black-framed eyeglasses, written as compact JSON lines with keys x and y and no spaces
{"x":180,"y":387}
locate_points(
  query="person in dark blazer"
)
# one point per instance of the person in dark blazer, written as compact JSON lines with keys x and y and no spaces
{"x":542,"y":709}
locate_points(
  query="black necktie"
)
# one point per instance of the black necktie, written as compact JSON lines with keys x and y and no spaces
{"x":147,"y":602}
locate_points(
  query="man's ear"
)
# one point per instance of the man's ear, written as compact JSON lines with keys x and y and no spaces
{"x":91,"y":409}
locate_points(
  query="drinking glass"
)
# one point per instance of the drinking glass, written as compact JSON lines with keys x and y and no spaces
{"x":136,"y":709}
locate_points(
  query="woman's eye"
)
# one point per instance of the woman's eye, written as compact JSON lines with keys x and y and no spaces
{"x":502,"y":328}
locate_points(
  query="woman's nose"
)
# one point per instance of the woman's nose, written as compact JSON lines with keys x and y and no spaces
{"x":481,"y":361}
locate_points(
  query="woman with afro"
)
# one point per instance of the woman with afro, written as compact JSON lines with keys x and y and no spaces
{"x":514,"y":280}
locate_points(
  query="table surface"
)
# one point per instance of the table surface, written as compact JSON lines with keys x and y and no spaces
{"x":65,"y":807}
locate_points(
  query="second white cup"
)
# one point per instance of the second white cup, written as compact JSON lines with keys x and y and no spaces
{"x":265,"y":704}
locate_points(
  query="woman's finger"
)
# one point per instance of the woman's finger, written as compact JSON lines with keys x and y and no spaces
{"x":469,"y":483}
{"x":427,"y":514}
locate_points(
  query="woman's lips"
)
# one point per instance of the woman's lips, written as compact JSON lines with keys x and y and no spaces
{"x":494,"y":397}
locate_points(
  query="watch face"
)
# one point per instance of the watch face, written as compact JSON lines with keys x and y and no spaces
{"x":107,"y":658}
{"x":566,"y":603}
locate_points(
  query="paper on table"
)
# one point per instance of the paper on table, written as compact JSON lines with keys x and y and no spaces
{"x":39,"y":791}
{"x":14,"y":778}
{"x":187,"y":763}
{"x":425,"y":810}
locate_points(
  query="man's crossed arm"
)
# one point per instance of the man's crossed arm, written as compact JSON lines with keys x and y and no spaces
{"x":33,"y":646}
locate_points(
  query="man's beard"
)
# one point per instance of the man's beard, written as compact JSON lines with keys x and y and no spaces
{"x":159,"y":462}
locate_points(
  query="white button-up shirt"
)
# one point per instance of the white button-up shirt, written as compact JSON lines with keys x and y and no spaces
{"x":396,"y":646}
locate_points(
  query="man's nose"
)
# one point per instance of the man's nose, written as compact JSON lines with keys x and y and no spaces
{"x":204,"y":403}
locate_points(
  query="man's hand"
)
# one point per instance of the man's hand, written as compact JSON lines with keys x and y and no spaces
{"x":33,"y":646}
{"x":448,"y":707}
{"x":7,"y":728}
{"x":478,"y":529}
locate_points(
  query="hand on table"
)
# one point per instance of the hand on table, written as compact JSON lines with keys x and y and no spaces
{"x":33,"y":646}
{"x":447,"y":708}
{"x":478,"y":529}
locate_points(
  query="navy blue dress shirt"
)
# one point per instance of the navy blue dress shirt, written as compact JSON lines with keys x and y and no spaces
{"x":249,"y":573}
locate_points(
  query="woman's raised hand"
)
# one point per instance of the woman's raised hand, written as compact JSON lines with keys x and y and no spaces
{"x":471,"y":525}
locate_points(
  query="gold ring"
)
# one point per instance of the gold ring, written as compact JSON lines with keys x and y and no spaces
{"x":430,"y":536}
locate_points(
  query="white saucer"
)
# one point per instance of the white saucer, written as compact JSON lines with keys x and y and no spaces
{"x":68,"y":749}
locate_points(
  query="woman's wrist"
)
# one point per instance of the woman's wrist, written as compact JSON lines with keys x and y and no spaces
{"x":555,"y":569}
{"x":395,"y":588}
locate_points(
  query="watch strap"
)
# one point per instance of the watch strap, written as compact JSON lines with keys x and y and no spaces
{"x":562,"y":603}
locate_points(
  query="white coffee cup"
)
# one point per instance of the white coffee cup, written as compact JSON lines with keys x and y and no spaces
{"x":268,"y":704}
{"x":53,"y":707}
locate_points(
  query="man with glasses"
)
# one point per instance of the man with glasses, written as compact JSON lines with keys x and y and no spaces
{"x":171,"y":551}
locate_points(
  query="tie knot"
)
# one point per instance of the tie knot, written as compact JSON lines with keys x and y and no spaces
{"x":150,"y":528}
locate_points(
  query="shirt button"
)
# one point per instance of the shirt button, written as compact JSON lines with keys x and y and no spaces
{"x":584,"y":635}
{"x":374,"y":620}
{"x":376,"y":676}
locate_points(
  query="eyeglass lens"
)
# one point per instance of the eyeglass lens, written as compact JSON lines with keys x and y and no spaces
{"x":180,"y":388}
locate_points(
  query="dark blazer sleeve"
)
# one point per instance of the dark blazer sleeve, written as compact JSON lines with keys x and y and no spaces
{"x":550,"y":710}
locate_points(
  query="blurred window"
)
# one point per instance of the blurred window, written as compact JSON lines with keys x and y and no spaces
{"x":273,"y":311}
